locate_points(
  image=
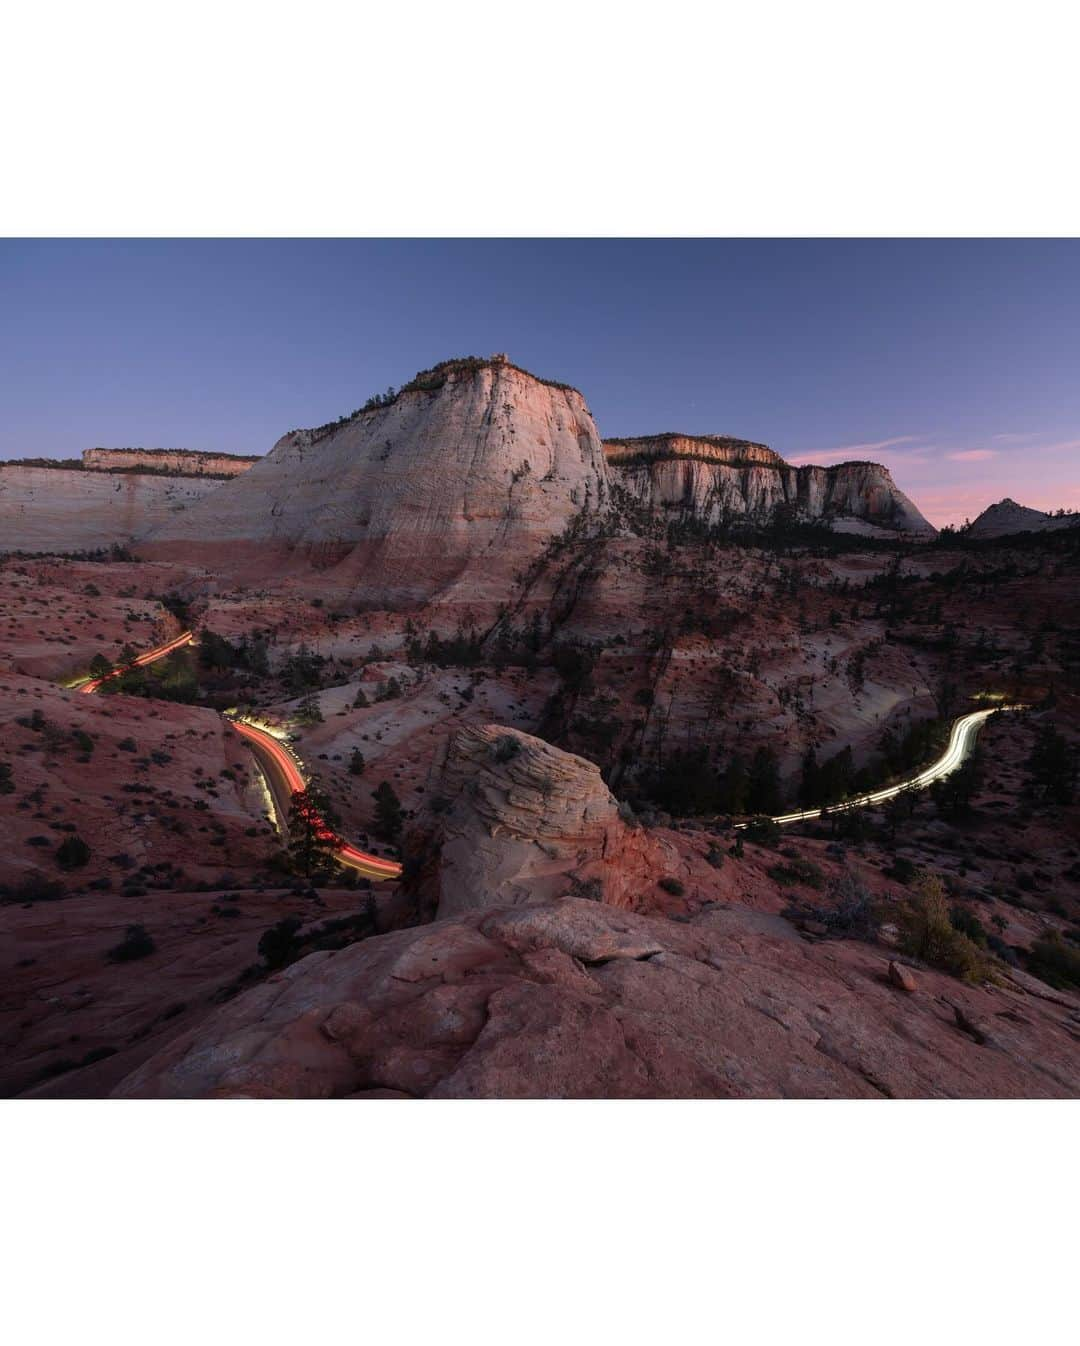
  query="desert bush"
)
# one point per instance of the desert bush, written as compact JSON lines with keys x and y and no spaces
{"x":506,"y":748}
{"x":1055,"y":962}
{"x":72,"y":853}
{"x":927,"y":933}
{"x":277,"y":943}
{"x":672,"y":886}
{"x":798,"y":870}
{"x":968,"y":924}
{"x":763,"y":831}
{"x":136,"y":943}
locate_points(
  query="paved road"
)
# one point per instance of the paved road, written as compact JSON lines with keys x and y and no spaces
{"x":150,"y":657}
{"x":285,"y":777}
{"x":961,"y":741}
{"x":281,"y":769}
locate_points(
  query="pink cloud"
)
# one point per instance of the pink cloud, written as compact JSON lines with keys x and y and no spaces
{"x":972,"y":455}
{"x":850,"y":451}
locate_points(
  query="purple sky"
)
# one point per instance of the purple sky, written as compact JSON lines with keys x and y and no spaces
{"x":957,"y":363}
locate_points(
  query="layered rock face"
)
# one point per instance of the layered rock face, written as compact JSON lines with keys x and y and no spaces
{"x":519,"y":821}
{"x":67,"y":510}
{"x":175,"y":462}
{"x":1009,"y":517}
{"x":472,"y":468}
{"x":722,"y":481}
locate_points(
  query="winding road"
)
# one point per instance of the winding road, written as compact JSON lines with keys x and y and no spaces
{"x":961,"y":741}
{"x":282,"y":770}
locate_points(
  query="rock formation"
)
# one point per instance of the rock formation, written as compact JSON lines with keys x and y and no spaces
{"x":472,"y":467}
{"x":572,"y":999}
{"x":516,"y":820}
{"x":1008,"y":517}
{"x":60,"y":509}
{"x":717,"y":480}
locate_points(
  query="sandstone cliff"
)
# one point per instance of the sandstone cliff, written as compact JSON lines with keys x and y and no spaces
{"x":517,"y":820}
{"x":67,"y":510}
{"x":471,"y":468}
{"x":716,"y":481}
{"x":173,"y":462}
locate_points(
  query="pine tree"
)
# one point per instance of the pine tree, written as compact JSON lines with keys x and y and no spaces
{"x":389,"y":816}
{"x":356,"y":762}
{"x":1052,"y":767}
{"x":312,"y":839}
{"x":763,"y":792}
{"x":309,"y":711}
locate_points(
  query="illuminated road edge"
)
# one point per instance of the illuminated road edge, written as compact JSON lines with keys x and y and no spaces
{"x":278,"y":757}
{"x":282,"y":760}
{"x":150,"y":657}
{"x":961,"y":741}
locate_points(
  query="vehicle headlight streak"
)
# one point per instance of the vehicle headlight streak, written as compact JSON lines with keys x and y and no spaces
{"x":961,"y":739}
{"x":269,"y":740}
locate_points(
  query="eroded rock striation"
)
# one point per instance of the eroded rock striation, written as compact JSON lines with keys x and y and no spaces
{"x":514,"y":820}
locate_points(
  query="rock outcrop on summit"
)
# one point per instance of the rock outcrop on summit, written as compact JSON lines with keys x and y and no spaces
{"x":471,"y":467}
{"x":722,"y":481}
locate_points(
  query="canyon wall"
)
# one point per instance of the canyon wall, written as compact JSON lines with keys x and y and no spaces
{"x":45,"y":509}
{"x":720,"y":481}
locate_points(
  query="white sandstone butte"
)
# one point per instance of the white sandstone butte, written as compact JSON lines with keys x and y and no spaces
{"x":471,"y":468}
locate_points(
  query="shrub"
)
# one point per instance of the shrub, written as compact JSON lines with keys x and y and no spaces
{"x":72,"y":853}
{"x":277,"y":943}
{"x":506,"y":748}
{"x":798,"y":870}
{"x":136,"y":943}
{"x":902,"y":869}
{"x":34,"y":888}
{"x":1054,"y":962}
{"x":968,"y":924}
{"x":927,"y":933}
{"x":672,"y":886}
{"x":763,"y":831}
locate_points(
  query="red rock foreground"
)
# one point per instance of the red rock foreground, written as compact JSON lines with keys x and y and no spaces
{"x":575,"y":999}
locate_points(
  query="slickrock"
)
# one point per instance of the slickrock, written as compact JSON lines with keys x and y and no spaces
{"x":515,"y":820}
{"x":472,"y":468}
{"x":573,"y":999}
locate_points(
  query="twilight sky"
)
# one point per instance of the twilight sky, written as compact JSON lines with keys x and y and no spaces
{"x":957,"y":363}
